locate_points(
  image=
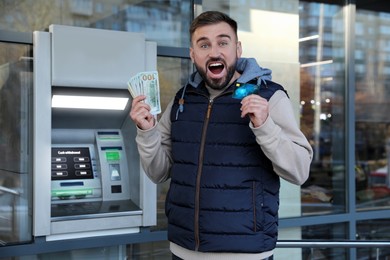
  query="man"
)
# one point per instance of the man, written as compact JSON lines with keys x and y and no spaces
{"x":224,"y":155}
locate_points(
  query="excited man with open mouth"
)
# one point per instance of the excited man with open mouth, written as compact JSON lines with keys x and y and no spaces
{"x":223,"y":152}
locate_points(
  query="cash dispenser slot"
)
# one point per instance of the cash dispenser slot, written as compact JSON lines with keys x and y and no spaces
{"x":94,"y":209}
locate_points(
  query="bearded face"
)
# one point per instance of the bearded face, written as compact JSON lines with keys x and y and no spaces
{"x":214,"y":51}
{"x":216,"y":67}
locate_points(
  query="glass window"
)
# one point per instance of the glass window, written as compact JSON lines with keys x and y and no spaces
{"x":15,"y":143}
{"x":372,"y":124}
{"x":322,"y":110}
{"x":169,"y":26}
{"x":376,"y":230}
{"x":330,"y":232}
{"x":156,"y":250}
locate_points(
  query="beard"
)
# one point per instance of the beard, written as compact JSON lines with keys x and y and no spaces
{"x":217,"y":84}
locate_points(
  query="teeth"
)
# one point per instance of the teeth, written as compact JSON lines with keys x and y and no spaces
{"x":215,"y":64}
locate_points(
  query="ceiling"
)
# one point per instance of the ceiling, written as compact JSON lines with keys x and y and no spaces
{"x":373,"y":5}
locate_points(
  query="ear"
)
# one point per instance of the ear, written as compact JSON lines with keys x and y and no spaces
{"x":192,"y":54}
{"x":239,"y":49}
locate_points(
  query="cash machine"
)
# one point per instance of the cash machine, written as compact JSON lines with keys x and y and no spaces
{"x":87,"y":175}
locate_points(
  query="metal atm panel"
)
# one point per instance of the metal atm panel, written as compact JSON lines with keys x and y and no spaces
{"x":115,"y":56}
{"x":87,"y":176}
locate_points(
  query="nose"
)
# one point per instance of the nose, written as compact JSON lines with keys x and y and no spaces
{"x":214,"y":51}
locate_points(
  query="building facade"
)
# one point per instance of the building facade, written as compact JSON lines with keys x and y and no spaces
{"x":333,"y":57}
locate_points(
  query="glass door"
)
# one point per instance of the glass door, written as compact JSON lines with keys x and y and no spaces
{"x":16,"y":83}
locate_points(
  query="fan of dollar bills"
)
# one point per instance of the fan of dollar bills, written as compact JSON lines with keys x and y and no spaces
{"x":146,"y":83}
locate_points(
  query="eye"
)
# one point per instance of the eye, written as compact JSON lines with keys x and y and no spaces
{"x":222,"y":44}
{"x":203,"y":44}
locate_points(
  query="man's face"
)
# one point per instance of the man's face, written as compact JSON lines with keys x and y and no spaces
{"x":214,"y":51}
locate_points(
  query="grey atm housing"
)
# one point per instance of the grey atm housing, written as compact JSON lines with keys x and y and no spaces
{"x":83,"y":61}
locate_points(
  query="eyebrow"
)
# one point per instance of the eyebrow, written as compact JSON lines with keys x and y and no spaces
{"x":219,"y":36}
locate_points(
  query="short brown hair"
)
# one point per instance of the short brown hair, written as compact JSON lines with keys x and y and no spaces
{"x":209,"y":18}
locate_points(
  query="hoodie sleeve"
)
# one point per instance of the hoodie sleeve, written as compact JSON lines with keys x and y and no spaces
{"x":154,"y":147}
{"x":282,"y":141}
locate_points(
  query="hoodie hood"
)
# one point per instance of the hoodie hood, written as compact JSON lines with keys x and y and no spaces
{"x":247,"y":67}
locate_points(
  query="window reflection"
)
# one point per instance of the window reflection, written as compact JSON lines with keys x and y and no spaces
{"x":375,"y":230}
{"x":329,"y":232}
{"x":322,"y":105}
{"x":372,"y":108}
{"x":15,"y":143}
{"x":165,"y":22}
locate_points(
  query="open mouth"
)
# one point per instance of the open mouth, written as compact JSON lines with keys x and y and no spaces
{"x":216,"y":67}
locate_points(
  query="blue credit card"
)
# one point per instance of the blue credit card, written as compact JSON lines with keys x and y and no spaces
{"x":243,"y":90}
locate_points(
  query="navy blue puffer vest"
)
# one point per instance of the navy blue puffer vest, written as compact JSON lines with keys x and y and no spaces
{"x":224,"y":194}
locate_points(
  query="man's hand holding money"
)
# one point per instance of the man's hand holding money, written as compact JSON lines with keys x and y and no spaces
{"x":140,"y":113}
{"x":146,"y":83}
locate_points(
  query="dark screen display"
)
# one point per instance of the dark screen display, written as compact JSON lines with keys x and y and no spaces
{"x":71,"y":163}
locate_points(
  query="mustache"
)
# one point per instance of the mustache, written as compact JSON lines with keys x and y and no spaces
{"x":215,"y":60}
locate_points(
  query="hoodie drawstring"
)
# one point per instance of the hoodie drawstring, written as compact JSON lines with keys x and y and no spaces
{"x":181,"y":102}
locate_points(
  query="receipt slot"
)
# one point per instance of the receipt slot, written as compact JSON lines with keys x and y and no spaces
{"x":87,"y":175}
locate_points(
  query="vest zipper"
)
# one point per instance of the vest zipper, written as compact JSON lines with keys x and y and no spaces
{"x":199,"y":175}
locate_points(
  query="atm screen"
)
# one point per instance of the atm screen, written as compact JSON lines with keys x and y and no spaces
{"x":71,"y":163}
